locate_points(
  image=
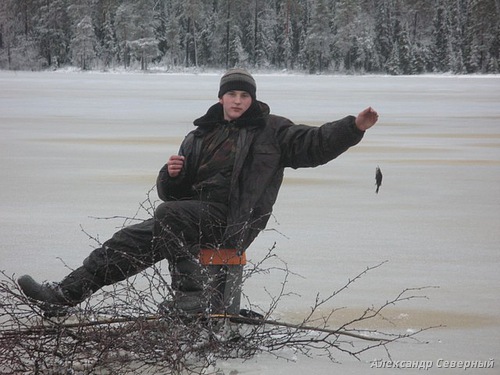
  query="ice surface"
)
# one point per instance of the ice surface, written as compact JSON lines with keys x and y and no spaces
{"x":76,"y":146}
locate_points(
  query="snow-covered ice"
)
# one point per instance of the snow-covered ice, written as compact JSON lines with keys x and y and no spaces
{"x":76,"y":146}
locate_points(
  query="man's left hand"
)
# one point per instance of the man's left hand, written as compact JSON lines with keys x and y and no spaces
{"x":366,"y":119}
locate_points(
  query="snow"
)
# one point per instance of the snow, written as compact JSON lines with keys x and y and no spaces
{"x":77,"y":146}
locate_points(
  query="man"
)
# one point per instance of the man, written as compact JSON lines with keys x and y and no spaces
{"x":218,"y":192}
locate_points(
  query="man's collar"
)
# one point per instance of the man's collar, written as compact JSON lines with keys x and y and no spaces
{"x":254,"y":116}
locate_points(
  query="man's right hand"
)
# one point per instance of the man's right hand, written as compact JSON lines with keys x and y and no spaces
{"x":174,"y":165}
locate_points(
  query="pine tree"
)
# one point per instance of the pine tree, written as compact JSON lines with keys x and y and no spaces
{"x":192,"y":14}
{"x":393,"y":64}
{"x":109,"y":51}
{"x":285,"y":31}
{"x":494,"y":51}
{"x":161,"y":30}
{"x":314,"y":35}
{"x":52,"y":29}
{"x":384,"y":30}
{"x":83,"y":44}
{"x":319,"y":40}
{"x":455,"y":32}
{"x":440,"y":36}
{"x":135,"y":26}
{"x":404,"y":48}
{"x":267,"y":37}
{"x":237,"y":54}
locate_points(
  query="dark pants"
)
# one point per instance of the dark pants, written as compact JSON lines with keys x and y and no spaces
{"x":176,"y":233}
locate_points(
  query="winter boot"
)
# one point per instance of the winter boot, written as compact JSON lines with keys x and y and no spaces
{"x":56,"y":297}
{"x":185,"y":303}
{"x":189,"y":280}
{"x":46,"y":292}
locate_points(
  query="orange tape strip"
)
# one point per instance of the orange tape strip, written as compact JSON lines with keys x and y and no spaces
{"x":222,"y":257}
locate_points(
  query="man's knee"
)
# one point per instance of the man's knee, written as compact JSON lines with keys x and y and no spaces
{"x":175,"y":210}
{"x":178,"y":217}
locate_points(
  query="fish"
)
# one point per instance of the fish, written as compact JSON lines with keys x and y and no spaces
{"x":378,"y":178}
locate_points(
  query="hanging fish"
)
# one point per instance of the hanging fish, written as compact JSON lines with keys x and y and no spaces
{"x":378,"y":178}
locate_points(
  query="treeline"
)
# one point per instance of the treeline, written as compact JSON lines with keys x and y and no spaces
{"x":346,"y":36}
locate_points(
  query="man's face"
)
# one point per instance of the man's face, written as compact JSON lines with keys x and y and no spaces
{"x":235,"y":103}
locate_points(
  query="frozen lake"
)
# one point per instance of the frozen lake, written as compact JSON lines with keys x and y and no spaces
{"x":76,"y":146}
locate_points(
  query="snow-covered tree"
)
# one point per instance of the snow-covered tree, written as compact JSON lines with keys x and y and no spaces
{"x":384,"y":29}
{"x":52,"y":31}
{"x":319,"y":38}
{"x":237,"y":54}
{"x":403,"y":48}
{"x":83,"y":44}
{"x":440,"y":46}
{"x":135,"y":26}
{"x":456,"y":26}
{"x":285,"y":32}
{"x":109,"y":50}
{"x":267,"y":35}
{"x":481,"y":34}
{"x":314,"y":35}
{"x":192,"y":15}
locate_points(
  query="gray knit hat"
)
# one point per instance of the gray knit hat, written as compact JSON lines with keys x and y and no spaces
{"x":237,"y":79}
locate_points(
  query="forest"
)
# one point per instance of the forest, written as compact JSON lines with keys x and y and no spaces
{"x":312,"y":36}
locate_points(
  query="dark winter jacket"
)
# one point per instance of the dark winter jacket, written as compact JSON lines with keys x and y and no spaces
{"x":266,"y":145}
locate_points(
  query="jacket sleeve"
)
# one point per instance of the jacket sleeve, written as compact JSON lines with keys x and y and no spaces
{"x":310,"y":146}
{"x":174,"y":188}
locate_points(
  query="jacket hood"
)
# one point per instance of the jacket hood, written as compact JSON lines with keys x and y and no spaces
{"x":254,"y":116}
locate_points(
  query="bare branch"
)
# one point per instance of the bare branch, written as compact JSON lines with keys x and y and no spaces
{"x":119,"y":329}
